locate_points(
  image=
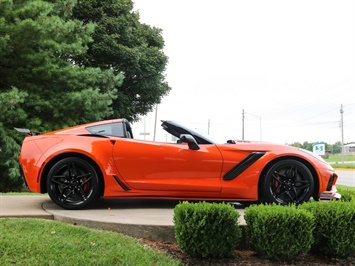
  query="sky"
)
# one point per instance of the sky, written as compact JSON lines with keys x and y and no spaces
{"x":290,"y":65}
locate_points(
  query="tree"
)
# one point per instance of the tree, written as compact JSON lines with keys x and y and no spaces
{"x":62,"y":63}
{"x":308,"y":145}
{"x":123,"y":44}
{"x":296,"y":144}
{"x":337,"y":147}
{"x":11,"y":112}
{"x":39,"y":60}
{"x":41,"y":85}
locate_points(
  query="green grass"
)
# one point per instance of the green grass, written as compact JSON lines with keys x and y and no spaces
{"x":343,"y":165}
{"x":43,"y":242}
{"x":21,"y":194}
{"x":336,"y":161}
{"x":338,"y":157}
{"x":347,"y":187}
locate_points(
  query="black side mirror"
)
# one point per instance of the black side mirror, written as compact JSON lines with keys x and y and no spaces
{"x":190,"y":140}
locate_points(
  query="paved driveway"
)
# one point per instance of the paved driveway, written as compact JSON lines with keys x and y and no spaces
{"x":346,"y":177}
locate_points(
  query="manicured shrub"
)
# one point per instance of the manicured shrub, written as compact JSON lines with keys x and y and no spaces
{"x":334,"y":233}
{"x":206,"y":230}
{"x":279,"y":233}
{"x":347,"y":193}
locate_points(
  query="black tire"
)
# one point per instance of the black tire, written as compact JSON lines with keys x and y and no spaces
{"x":73,"y":183}
{"x":288,"y":181}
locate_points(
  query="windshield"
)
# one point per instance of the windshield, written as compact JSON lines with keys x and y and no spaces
{"x":177,"y":129}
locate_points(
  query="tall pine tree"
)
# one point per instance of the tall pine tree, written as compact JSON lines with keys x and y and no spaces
{"x":66,"y":62}
{"x":41,"y":85}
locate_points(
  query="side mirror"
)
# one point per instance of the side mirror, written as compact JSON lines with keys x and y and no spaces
{"x":190,"y":140}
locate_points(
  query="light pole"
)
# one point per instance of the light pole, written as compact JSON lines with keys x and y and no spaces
{"x":342,"y":132}
{"x":155,"y":121}
{"x":243,"y":124}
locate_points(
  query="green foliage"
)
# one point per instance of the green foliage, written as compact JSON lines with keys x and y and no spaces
{"x":39,"y":61}
{"x":347,"y":193}
{"x":41,"y":85}
{"x":336,"y":147}
{"x":280,"y":233}
{"x":332,"y":148}
{"x":68,"y":68}
{"x":206,"y":229}
{"x":334,"y":233}
{"x":126,"y":46}
{"x":44,"y":242}
{"x":11,"y":102}
{"x":67,"y":60}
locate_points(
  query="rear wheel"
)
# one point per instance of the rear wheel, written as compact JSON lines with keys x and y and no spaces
{"x":288,"y":181}
{"x":73,"y":183}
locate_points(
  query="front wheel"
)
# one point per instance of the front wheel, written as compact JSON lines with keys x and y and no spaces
{"x":288,"y":181}
{"x":73,"y":183}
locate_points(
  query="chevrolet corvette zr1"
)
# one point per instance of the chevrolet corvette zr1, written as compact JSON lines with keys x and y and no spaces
{"x":102,"y":159}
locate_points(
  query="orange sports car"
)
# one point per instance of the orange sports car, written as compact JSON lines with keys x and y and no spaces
{"x":79,"y":164}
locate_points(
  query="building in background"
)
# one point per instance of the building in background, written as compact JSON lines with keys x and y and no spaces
{"x":349,"y":148}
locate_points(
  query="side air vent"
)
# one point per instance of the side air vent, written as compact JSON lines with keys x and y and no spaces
{"x":331,"y":181}
{"x":244,"y":164}
{"x":125,"y":188}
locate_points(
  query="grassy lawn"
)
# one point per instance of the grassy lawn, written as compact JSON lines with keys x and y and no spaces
{"x":43,"y":242}
{"x":343,"y":165}
{"x":28,"y":241}
{"x":336,"y":160}
{"x":22,"y":194}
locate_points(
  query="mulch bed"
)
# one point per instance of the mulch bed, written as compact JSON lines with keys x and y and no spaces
{"x":243,"y":257}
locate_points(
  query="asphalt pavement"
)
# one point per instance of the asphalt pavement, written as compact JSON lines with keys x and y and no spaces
{"x":346,"y":177}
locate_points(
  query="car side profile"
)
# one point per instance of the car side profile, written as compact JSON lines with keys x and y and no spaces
{"x":77,"y":165}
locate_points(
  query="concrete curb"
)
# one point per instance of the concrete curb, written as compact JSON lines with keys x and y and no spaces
{"x":149,"y":219}
{"x":24,"y":207}
{"x":152,"y":232}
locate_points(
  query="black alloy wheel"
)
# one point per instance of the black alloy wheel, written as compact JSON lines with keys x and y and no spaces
{"x":288,"y":181}
{"x":73,"y":183}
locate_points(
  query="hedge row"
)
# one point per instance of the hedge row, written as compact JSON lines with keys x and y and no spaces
{"x":347,"y":193}
{"x":280,"y":233}
{"x":207,"y":230}
{"x":334,"y":233}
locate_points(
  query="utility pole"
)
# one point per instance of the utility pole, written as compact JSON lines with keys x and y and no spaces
{"x":342,"y":132}
{"x":208,"y":129}
{"x":243,"y":124}
{"x":256,"y":116}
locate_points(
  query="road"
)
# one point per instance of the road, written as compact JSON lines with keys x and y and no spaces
{"x":346,"y":177}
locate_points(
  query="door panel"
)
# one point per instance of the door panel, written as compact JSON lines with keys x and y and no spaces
{"x":157,"y":166}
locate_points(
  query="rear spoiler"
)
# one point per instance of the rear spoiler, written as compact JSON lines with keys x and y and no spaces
{"x":27,"y":131}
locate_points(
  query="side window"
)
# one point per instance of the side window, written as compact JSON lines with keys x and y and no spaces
{"x":113,"y":129}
